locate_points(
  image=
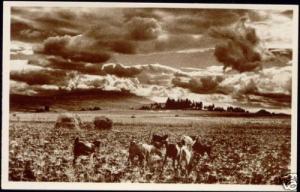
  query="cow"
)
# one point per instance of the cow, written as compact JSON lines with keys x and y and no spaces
{"x":173,"y":152}
{"x":188,"y":140}
{"x":186,"y":157}
{"x":201,"y":148}
{"x":190,"y":156}
{"x":158,"y":140}
{"x":82,"y":148}
{"x":143,"y":151}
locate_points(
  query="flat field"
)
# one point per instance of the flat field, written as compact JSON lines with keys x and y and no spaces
{"x":247,"y":150}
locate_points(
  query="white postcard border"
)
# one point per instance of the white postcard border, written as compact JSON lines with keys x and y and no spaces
{"x":137,"y":186}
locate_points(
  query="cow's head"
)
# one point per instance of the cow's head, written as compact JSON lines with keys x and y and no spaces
{"x":158,"y":141}
{"x":97,"y":143}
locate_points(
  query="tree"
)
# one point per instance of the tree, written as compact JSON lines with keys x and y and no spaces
{"x":47,"y":108}
{"x":210,"y":107}
{"x":220,"y":109}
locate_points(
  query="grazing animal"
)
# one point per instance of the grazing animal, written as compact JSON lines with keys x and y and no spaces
{"x":200,"y":148}
{"x":186,"y":156}
{"x":143,"y":151}
{"x":173,"y":152}
{"x":190,"y":156}
{"x":84,"y":148}
{"x":158,"y":140}
{"x":188,"y":140}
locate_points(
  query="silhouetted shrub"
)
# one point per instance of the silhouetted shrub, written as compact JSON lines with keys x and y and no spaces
{"x":68,"y":120}
{"x":102,"y":122}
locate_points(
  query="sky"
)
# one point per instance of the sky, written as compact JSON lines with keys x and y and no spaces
{"x":219,"y":56}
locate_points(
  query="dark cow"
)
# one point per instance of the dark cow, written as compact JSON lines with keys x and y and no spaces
{"x":84,"y":148}
{"x":200,"y":148}
{"x":172,"y":152}
{"x":158,"y":141}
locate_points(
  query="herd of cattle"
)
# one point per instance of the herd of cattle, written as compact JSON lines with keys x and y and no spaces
{"x":186,"y":152}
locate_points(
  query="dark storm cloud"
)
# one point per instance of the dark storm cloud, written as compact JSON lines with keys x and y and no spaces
{"x":23,"y":31}
{"x":143,"y":28}
{"x":40,"y":77}
{"x":123,"y":46}
{"x":239,"y":49}
{"x":280,"y":98}
{"x":37,"y":24}
{"x":187,"y":21}
{"x":75,"y":50}
{"x":202,"y":85}
{"x":105,"y":36}
{"x":121,"y":70}
{"x":86,"y":68}
{"x":99,"y":42}
{"x":83,"y":42}
{"x":200,"y":20}
{"x":47,"y":21}
{"x":119,"y":25}
{"x":154,"y":74}
{"x":98,"y":22}
{"x":147,"y":72}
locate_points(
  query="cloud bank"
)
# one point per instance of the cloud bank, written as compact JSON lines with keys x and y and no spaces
{"x":66,"y":49}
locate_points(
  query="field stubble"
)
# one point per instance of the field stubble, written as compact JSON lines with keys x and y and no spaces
{"x":246,"y":150}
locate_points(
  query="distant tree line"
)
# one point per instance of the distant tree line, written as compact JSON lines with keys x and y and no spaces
{"x":190,"y":105}
{"x":45,"y":108}
{"x":183,"y":104}
{"x":91,"y":109}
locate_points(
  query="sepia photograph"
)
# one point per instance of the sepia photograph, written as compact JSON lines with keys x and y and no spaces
{"x":149,"y":96}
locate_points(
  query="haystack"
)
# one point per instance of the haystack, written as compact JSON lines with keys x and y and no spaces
{"x":102,"y":122}
{"x":68,"y":120}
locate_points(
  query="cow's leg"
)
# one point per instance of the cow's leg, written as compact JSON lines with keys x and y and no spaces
{"x":183,"y":167}
{"x":129,"y":160}
{"x":92,"y":156}
{"x":178,"y":163}
{"x":163,"y":165}
{"x":142,"y":163}
{"x":180,"y":160}
{"x":189,"y":166}
{"x":148,"y":160}
{"x":74,"y":160}
{"x":165,"y":160}
{"x":174,"y":165}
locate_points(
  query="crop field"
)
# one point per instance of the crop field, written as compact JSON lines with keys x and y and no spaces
{"x":246,"y":150}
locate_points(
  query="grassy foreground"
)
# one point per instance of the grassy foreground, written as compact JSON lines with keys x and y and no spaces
{"x":248,"y":150}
